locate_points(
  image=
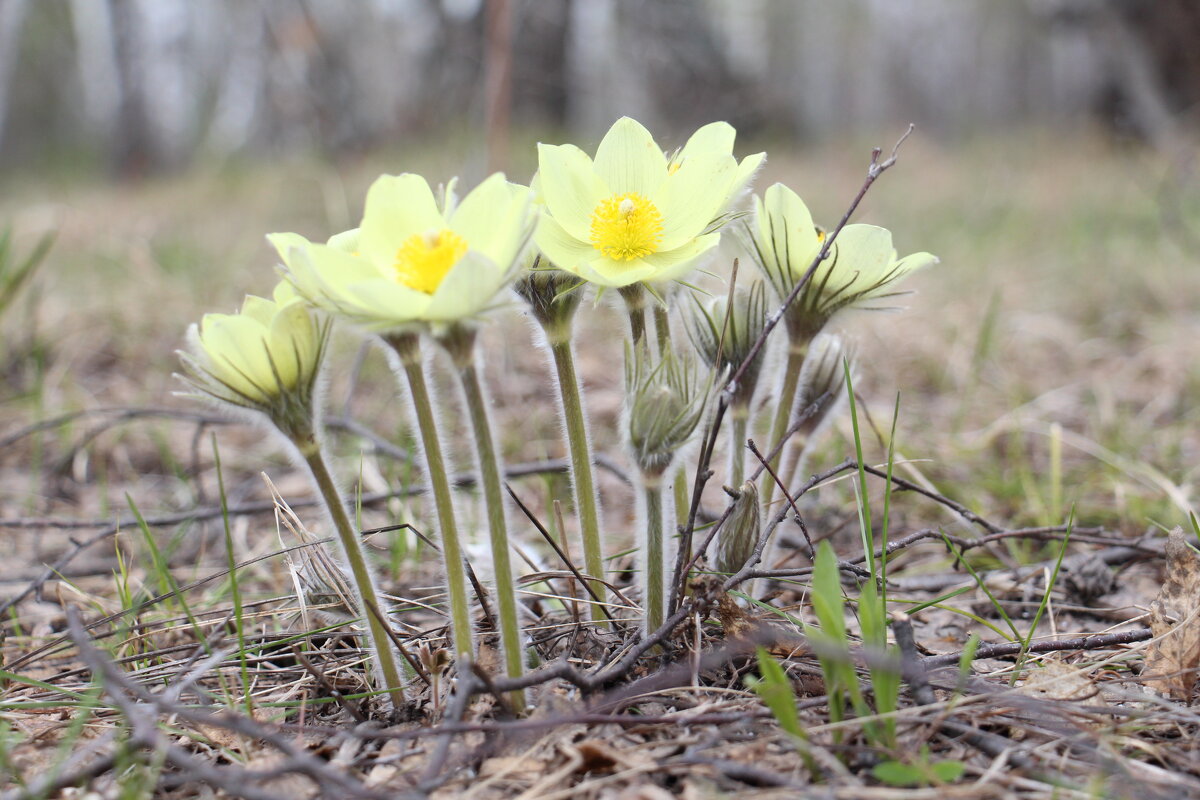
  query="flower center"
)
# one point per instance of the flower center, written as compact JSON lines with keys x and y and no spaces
{"x":423,"y":260}
{"x":626,"y":226}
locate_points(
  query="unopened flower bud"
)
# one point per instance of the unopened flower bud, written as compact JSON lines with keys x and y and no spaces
{"x":552,"y":295}
{"x":725,"y":333}
{"x":739,"y":536}
{"x":664,"y":404}
{"x":822,"y":381}
{"x":266,"y":358}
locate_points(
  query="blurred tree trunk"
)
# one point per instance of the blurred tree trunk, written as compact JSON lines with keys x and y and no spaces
{"x":540,"y":62}
{"x":130,"y":151}
{"x":671,"y":46}
{"x":12,"y":17}
{"x":96,"y":60}
{"x":1170,"y":31}
{"x":239,"y":93}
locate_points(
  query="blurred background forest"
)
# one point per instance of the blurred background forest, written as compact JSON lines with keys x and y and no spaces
{"x":136,"y":86}
{"x":1053,"y":171}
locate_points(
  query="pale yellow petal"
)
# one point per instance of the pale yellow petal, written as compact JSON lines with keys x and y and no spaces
{"x":346,"y":240}
{"x":604,"y":271}
{"x":383,"y":304}
{"x":671,"y":265}
{"x":469,"y":287}
{"x":570,"y":186}
{"x":744,"y":176}
{"x":693,"y":196}
{"x":285,"y":293}
{"x":294,"y":343}
{"x":864,"y":255}
{"x":786,"y":229}
{"x":715,"y":137}
{"x":628,"y":160}
{"x":284,"y":243}
{"x":563,"y":250}
{"x":397,"y":207}
{"x":495,"y":219}
{"x":236,"y":349}
{"x":259,"y":309}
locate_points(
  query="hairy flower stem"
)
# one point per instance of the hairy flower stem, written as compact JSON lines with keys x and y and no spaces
{"x":584,"y":484}
{"x":635,"y":303}
{"x":373,"y":611}
{"x":739,"y":419}
{"x":680,"y":487}
{"x":783,"y":409}
{"x":652,"y":571}
{"x":460,"y":343}
{"x":662,"y":327}
{"x":408,"y":348}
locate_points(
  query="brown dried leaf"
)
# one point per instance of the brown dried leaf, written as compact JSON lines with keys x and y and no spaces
{"x":1057,"y":680}
{"x":1173,"y":656}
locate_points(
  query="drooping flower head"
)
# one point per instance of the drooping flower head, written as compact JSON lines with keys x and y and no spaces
{"x":264,"y":358}
{"x":414,"y":261}
{"x":632,"y":214}
{"x":862,"y":264}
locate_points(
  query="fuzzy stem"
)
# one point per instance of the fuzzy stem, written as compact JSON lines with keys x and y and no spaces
{"x":373,"y":611}
{"x":783,"y":409}
{"x":652,"y":572}
{"x":581,"y":460}
{"x":662,"y":327}
{"x":489,"y":471}
{"x":408,"y":348}
{"x":662,"y":331}
{"x":792,"y":462}
{"x":635,"y":302}
{"x":739,"y":419}
{"x":681,"y":494}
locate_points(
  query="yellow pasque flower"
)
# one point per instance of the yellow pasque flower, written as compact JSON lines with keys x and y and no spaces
{"x":861,"y":265}
{"x":413,"y":261}
{"x":266,"y":357}
{"x":631,"y":214}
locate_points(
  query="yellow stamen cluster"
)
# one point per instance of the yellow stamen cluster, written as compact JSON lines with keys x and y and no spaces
{"x":626,"y":226}
{"x":423,"y":260}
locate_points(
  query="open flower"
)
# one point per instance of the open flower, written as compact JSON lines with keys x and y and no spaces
{"x":413,"y":261}
{"x":631,"y":214}
{"x":265,"y":358}
{"x":861,"y":265}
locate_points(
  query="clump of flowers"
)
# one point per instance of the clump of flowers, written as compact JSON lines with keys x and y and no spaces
{"x":428,"y":265}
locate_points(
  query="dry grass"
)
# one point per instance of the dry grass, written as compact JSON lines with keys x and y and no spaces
{"x":1063,"y":310}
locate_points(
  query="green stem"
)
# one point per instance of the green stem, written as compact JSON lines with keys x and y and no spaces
{"x":683,"y":499}
{"x":373,"y":611}
{"x":408,"y":348}
{"x":739,"y":419}
{"x":635,"y":302}
{"x":652,"y":573}
{"x":662,"y":327}
{"x":783,"y":410}
{"x":489,"y":471}
{"x":581,"y":461}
